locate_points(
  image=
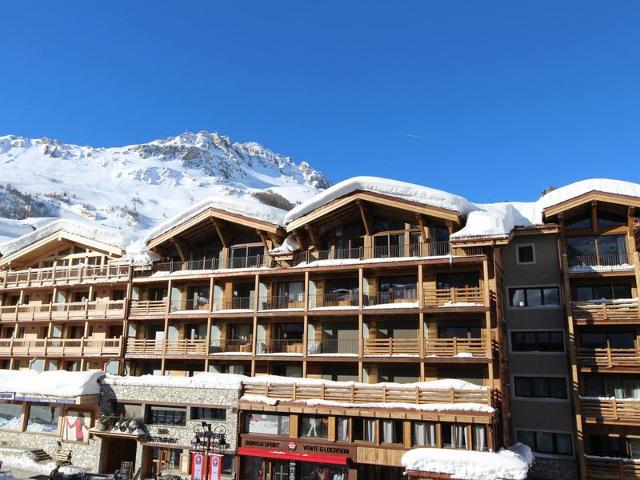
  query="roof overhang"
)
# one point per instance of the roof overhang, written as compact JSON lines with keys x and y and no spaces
{"x":592,"y":196}
{"x":376,"y":198}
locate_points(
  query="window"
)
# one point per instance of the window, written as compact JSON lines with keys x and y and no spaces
{"x":391,"y":431}
{"x":534,"y":297}
{"x":537,"y":341}
{"x":624,"y":340}
{"x":205,"y":413}
{"x":479,"y":438}
{"x":266,"y":424}
{"x":541,"y":387}
{"x":550,"y":443}
{"x":342,"y":429}
{"x":458,"y":280}
{"x":167,"y":416}
{"x":586,"y":293}
{"x":43,"y":418}
{"x":455,"y":435}
{"x":313,"y":427}
{"x":619,"y":387}
{"x":525,"y":254}
{"x":364,"y":430}
{"x":423,"y":434}
{"x":10,"y":416}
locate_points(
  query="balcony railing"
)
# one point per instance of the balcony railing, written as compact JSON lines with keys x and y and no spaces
{"x":235,"y":303}
{"x":391,"y":346}
{"x":34,"y":277}
{"x":608,"y":357}
{"x":210,"y":264}
{"x":606,"y":311}
{"x":456,"y":347}
{"x":191,"y":305}
{"x":58,"y":347}
{"x":143,"y":347}
{"x":231,"y":345}
{"x":360,"y":393}
{"x":281,"y":302}
{"x":454,"y":297}
{"x":333,"y":346}
{"x":607,"y":468}
{"x":610,"y":410}
{"x":63,"y":311}
{"x":409,"y":296}
{"x":578,"y":262}
{"x":339,"y":299}
{"x":280,"y":345}
{"x":153,"y":347}
{"x":148,"y":308}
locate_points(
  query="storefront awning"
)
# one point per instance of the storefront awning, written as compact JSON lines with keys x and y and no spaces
{"x":301,"y":457}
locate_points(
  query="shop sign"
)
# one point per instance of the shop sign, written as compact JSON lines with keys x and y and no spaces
{"x":159,"y":439}
{"x":292,"y":446}
{"x":7,"y":396}
{"x":292,"y":470}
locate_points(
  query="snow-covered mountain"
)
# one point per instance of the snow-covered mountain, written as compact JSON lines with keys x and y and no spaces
{"x":136,"y":187}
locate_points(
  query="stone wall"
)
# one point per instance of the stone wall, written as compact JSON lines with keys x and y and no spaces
{"x":554,"y":469}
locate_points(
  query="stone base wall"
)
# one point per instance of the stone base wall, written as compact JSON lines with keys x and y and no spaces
{"x":554,"y":469}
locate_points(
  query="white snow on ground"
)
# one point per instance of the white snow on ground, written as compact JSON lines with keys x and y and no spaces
{"x":59,"y":383}
{"x":24,"y":460}
{"x":225,"y":381}
{"x":507,"y":464}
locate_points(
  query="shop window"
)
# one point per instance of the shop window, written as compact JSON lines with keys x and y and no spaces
{"x":128,"y":410}
{"x":205,"y":413}
{"x":167,"y":416}
{"x":364,"y":430}
{"x":391,"y":431}
{"x":76,"y":426}
{"x":541,"y":387}
{"x":423,"y":434}
{"x":312,"y":470}
{"x":43,"y":418}
{"x":10,"y":416}
{"x":313,"y":427}
{"x":550,"y":443}
{"x":263,"y":423}
{"x":537,"y":341}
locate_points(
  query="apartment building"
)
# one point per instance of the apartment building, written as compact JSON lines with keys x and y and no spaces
{"x":371,"y":281}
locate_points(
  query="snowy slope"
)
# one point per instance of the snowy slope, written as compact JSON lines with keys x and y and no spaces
{"x":138,"y":187}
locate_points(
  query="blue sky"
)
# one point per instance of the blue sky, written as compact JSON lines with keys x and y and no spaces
{"x":493,"y":100}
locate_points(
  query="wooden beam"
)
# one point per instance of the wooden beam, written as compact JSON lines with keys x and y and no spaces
{"x":179,"y":248}
{"x":266,"y":241}
{"x":424,"y":227}
{"x":312,"y":236}
{"x":365,"y":217}
{"x":594,"y":216}
{"x":220,"y":233}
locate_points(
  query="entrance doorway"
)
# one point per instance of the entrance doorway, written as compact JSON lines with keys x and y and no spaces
{"x":115,"y":451}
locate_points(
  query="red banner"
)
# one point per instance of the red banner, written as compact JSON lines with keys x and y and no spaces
{"x":215,"y":466}
{"x":198,"y":466}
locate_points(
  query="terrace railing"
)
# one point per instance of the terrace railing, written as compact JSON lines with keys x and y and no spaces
{"x":33,"y":277}
{"x":61,"y":347}
{"x":63,"y":311}
{"x":445,"y":297}
{"x":391,"y":346}
{"x":606,"y":311}
{"x":333,"y":347}
{"x":610,"y":410}
{"x":456,"y":347}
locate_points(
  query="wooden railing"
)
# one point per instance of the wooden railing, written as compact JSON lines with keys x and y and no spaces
{"x":58,"y":347}
{"x":367,"y":394}
{"x":608,"y":357}
{"x":33,"y":277}
{"x":456,"y":347}
{"x":391,"y":346}
{"x":607,"y":311}
{"x":154,"y":347}
{"x":615,"y":410}
{"x":137,"y":346}
{"x":63,"y":311}
{"x":454,"y":297}
{"x":148,"y":308}
{"x":606,"y":468}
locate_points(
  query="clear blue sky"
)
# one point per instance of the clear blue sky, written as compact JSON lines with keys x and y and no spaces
{"x":490,"y":99}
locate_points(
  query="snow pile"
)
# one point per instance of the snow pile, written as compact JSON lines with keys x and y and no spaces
{"x":224,"y":381}
{"x":289,"y":245}
{"x":499,"y":219}
{"x":25,"y":460}
{"x":59,"y":383}
{"x":573,"y":190}
{"x":393,"y":188}
{"x":88,"y":230}
{"x":509,"y":464}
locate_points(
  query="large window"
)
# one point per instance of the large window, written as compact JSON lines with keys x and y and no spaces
{"x":540,"y":387}
{"x":614,"y":446}
{"x":423,"y":434}
{"x":391,"y":431}
{"x":313,"y":427}
{"x":625,"y":340}
{"x":550,"y":443}
{"x":342,"y":429}
{"x":364,"y":430}
{"x":455,"y":435}
{"x":205,"y":413}
{"x":601,"y":250}
{"x":537,"y":341}
{"x":263,"y":423}
{"x":397,"y":287}
{"x":10,"y":416}
{"x":167,"y":416}
{"x":586,"y":293}
{"x":534,"y":297}
{"x":620,"y":388}
{"x":43,"y":418}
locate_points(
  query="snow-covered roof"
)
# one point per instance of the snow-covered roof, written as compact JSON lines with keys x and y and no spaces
{"x":224,"y":381}
{"x":247,"y":207}
{"x":393,"y":188}
{"x":59,"y":383}
{"x":573,"y":190}
{"x":507,"y":464}
{"x":289,"y":245}
{"x":90,"y":231}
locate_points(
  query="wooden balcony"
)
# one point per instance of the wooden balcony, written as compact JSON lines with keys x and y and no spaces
{"x":232,"y":346}
{"x":186,"y":307}
{"x":607,"y":312}
{"x":608,"y":358}
{"x":63,"y":311}
{"x":341,"y":299}
{"x":207,"y":265}
{"x":391,"y":346}
{"x":293,"y":302}
{"x":361,"y":393}
{"x":401,"y":298}
{"x":37,"y":277}
{"x":606,"y":468}
{"x":610,"y":410}
{"x":455,"y":297}
{"x":57,"y":347}
{"x":280,"y":346}
{"x":235,"y":303}
{"x":600,"y":262}
{"x":456,"y":348}
{"x":147,"y":308}
{"x":156,"y":348}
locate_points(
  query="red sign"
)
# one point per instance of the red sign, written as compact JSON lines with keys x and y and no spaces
{"x":215,"y":466}
{"x":292,"y":445}
{"x":198,"y":466}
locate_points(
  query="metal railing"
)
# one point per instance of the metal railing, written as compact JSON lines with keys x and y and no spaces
{"x":235,"y":303}
{"x":231,"y":345}
{"x":191,"y":305}
{"x":607,"y":468}
{"x":334,"y":299}
{"x":280,"y":345}
{"x":600,"y":260}
{"x":333,"y":346}
{"x":409,"y":295}
{"x":281,"y":302}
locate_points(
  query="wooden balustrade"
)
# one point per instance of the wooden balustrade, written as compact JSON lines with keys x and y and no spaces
{"x":148,"y":308}
{"x":599,"y":410}
{"x":152,"y":347}
{"x":143,"y":347}
{"x":606,"y":468}
{"x":61,"y":347}
{"x":608,"y":357}
{"x":34,"y":277}
{"x":360,"y":393}
{"x":454,"y":297}
{"x":62,"y":311}
{"x":391,"y":346}
{"x":456,"y":347}
{"x":606,"y":312}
